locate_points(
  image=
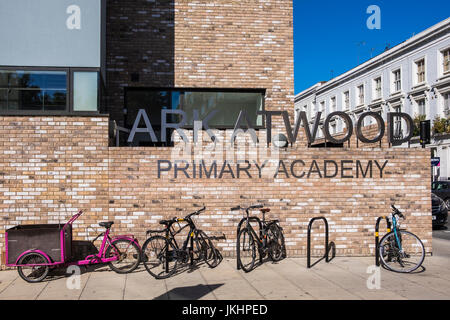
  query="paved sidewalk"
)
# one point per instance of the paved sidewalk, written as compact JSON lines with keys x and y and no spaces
{"x":342,"y":278}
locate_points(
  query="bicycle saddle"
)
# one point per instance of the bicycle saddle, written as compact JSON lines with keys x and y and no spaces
{"x":166,"y":222}
{"x":107,"y":224}
{"x":264,"y":210}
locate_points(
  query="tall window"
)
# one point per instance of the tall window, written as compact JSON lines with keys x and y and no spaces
{"x":377,"y":83}
{"x":446,"y":60}
{"x":85,"y":91}
{"x":420,"y":70}
{"x":397,"y":80}
{"x":361,"y":94}
{"x":398,"y":133}
{"x":333,"y":127}
{"x":421,"y":107}
{"x":346,"y":100}
{"x":22,"y":90}
{"x":446,"y":97}
{"x":306,"y":109}
{"x":333,"y":104}
{"x":322,"y":107}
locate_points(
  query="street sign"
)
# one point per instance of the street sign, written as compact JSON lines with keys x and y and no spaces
{"x":436,"y":161}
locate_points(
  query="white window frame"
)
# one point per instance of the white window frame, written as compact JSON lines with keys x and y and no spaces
{"x":360,"y":98}
{"x":443,"y":62}
{"x":416,"y":71}
{"x":333,"y":104}
{"x":377,"y":91}
{"x":322,"y":107}
{"x":394,"y":81}
{"x":424,"y":106}
{"x":346,"y":100}
{"x":446,"y":104}
{"x":398,"y":120}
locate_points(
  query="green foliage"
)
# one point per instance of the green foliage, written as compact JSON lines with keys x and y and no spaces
{"x":440,"y":125}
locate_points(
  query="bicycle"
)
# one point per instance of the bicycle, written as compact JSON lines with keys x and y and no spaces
{"x":270,"y":240}
{"x":400,"y":250}
{"x":162,"y":253}
{"x":34,"y":249}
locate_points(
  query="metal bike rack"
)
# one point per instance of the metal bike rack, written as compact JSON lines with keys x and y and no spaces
{"x":255,"y":219}
{"x":377,"y":235}
{"x":328,"y":245}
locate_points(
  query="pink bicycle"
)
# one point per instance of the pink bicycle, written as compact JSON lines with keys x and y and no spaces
{"x":35,"y":249}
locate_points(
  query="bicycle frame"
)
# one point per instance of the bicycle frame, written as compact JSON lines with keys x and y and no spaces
{"x":262,"y":227}
{"x":395,"y":228}
{"x":90,"y":259}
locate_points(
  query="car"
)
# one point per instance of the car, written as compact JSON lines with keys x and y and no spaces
{"x":439,"y":211}
{"x":442,"y":190}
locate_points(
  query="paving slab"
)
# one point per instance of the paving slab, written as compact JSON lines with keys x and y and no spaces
{"x":272,"y":285}
{"x":228,"y":283}
{"x":6,"y":278}
{"x":104,"y":284}
{"x":312,"y":284}
{"x":140,"y":285}
{"x":21,"y":290}
{"x":63,"y":287}
{"x":188,"y":285}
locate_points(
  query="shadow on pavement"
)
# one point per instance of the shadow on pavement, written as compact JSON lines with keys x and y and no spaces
{"x":189,"y":293}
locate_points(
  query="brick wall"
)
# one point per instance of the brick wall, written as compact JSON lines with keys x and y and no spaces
{"x":50,"y":167}
{"x":203,"y":44}
{"x":45,"y":160}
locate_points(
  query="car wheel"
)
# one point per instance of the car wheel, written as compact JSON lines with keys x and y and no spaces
{"x":447,"y":203}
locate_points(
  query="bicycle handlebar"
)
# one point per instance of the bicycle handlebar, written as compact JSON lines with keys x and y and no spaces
{"x":397,"y":212}
{"x":189,"y":215}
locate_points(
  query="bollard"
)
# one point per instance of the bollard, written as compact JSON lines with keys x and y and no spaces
{"x":377,"y":226}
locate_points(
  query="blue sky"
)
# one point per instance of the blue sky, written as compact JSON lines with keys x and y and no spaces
{"x":327,"y":33}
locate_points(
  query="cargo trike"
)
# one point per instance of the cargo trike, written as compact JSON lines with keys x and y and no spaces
{"x":35,"y":249}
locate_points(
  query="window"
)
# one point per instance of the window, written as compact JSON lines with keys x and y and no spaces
{"x":446,"y":60}
{"x":22,"y":90}
{"x":346,"y":100}
{"x":421,"y":107}
{"x":307,"y":111}
{"x":397,"y":80}
{"x":227,"y":103}
{"x":322,"y":108}
{"x":85,"y":91}
{"x":446,"y":98}
{"x":333,"y":104}
{"x":377,"y":83}
{"x":361,"y":95}
{"x":333,"y":127}
{"x":420,"y":65}
{"x":398,"y":132}
{"x":52,"y":91}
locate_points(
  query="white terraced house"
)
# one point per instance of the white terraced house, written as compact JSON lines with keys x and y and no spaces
{"x":412,"y":77}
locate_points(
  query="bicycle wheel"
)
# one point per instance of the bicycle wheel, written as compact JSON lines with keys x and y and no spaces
{"x":275,"y":242}
{"x":129,"y":255}
{"x":33,"y":271}
{"x":406,"y":257}
{"x":159,"y":257}
{"x":209,"y":252}
{"x":246,"y":250}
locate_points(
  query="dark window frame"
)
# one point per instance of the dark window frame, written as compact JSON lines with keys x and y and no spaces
{"x":262,"y":91}
{"x":69,"y":95}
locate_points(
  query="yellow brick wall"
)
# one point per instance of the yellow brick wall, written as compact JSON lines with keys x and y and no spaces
{"x":45,"y":160}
